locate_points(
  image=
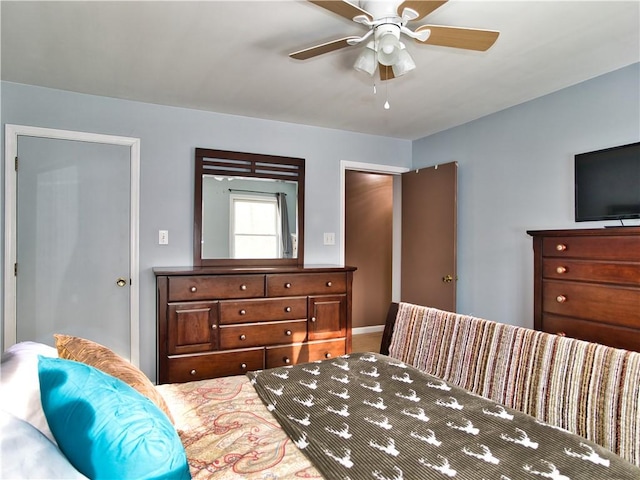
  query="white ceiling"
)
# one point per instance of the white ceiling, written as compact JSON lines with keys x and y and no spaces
{"x":232,"y":57}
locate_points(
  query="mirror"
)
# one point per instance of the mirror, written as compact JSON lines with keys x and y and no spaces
{"x":248,"y":209}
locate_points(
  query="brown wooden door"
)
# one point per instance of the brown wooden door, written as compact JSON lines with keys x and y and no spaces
{"x":429,"y":222}
{"x":369,"y":243}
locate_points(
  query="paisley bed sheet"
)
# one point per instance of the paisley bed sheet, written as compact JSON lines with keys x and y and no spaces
{"x":228,"y":433}
{"x":368,"y":416}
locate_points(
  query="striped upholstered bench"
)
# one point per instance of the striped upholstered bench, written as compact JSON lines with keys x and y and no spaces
{"x":589,"y":389}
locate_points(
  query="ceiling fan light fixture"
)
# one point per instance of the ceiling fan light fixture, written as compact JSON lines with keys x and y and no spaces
{"x":388,"y":47}
{"x":366,"y":61}
{"x":404,"y":64}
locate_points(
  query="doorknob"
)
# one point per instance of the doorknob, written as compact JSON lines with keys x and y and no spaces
{"x":121,"y":282}
{"x":447,"y":279}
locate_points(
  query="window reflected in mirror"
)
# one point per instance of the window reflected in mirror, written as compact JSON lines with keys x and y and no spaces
{"x":255,"y":227}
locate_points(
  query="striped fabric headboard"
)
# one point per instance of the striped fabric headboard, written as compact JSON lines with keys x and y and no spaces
{"x":589,"y":389}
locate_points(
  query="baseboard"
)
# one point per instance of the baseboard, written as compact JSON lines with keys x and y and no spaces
{"x":370,"y":329}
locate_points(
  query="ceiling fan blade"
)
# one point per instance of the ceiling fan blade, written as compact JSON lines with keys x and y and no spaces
{"x":422,"y":7}
{"x":322,"y":48}
{"x":457,"y":37}
{"x":386,"y":72}
{"x":344,"y":9}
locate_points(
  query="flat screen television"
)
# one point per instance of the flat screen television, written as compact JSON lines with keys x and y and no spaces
{"x":607,"y":184}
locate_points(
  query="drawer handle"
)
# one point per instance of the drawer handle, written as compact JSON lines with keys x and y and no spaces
{"x":327,"y":355}
{"x":560,"y":270}
{"x":561,"y":247}
{"x":286,"y":360}
{"x":243,"y":366}
{"x":193,"y":289}
{"x":243,"y":287}
{"x":193,"y":372}
{"x":561,"y":334}
{"x":287,"y":309}
{"x":313,"y":319}
{"x":287,"y":285}
{"x":561,"y":299}
{"x":287,"y":333}
{"x":242,"y":312}
{"x":243,"y":337}
{"x":214,"y":326}
{"x":329,"y":284}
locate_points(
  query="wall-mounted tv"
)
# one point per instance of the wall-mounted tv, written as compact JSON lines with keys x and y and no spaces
{"x":607,"y":184}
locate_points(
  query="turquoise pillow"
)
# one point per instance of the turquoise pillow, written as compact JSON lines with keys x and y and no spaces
{"x":105,"y":427}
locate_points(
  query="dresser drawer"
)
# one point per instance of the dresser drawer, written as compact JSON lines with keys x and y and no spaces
{"x":622,"y":273}
{"x":612,"y":335}
{"x":301,"y":353}
{"x":209,"y":287}
{"x":602,"y":303}
{"x":263,"y":333}
{"x":599,"y":248}
{"x":283,"y":284}
{"x":186,"y":368}
{"x":243,"y":311}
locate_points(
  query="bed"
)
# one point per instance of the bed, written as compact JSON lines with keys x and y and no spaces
{"x":369,"y":416}
{"x":360,"y":416}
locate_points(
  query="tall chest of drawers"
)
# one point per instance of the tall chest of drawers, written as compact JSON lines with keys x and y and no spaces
{"x":215,"y":322}
{"x":587,"y":284}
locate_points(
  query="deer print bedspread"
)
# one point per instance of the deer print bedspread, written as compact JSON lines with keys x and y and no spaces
{"x":368,"y":416}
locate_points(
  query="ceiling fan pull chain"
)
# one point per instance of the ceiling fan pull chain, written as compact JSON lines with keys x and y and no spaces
{"x":386,"y":93}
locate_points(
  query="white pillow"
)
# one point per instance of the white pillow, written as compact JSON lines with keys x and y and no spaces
{"x":20,"y":385}
{"x":26,"y":453}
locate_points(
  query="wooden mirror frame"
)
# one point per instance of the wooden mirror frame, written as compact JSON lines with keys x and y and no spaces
{"x":246,"y":165}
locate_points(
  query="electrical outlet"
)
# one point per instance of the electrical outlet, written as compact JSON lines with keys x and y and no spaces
{"x":330,"y":238}
{"x":163,"y":237}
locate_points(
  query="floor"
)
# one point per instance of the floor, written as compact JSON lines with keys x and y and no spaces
{"x":366,"y":342}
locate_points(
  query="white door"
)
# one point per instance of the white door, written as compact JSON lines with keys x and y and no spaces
{"x":73,"y":242}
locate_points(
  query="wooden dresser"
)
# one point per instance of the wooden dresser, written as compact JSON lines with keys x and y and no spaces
{"x":587,"y":284}
{"x":217,"y":321}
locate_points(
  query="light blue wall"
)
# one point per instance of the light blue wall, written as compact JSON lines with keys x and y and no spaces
{"x":168,"y":138}
{"x":516,"y":174}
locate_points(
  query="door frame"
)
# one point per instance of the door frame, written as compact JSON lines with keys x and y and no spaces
{"x":396,"y":172}
{"x":12,"y":132}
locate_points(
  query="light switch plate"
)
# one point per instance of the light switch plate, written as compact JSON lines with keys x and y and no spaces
{"x":163,"y":237}
{"x":330,"y":238}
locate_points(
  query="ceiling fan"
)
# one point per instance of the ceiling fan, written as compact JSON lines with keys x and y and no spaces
{"x":386,"y":21}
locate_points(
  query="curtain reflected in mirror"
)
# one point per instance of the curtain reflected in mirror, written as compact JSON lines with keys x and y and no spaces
{"x":285,"y":232}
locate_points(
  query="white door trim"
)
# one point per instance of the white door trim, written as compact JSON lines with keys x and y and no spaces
{"x":12,"y":132}
{"x":397,"y":212}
